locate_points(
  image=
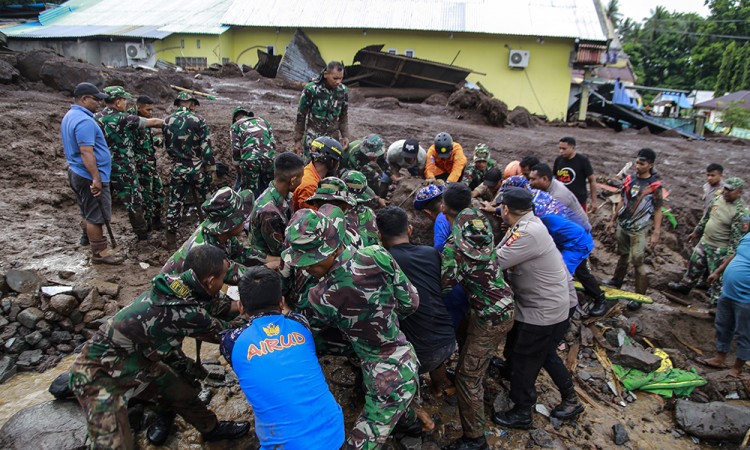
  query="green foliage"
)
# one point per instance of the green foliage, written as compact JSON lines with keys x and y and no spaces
{"x":736,"y":115}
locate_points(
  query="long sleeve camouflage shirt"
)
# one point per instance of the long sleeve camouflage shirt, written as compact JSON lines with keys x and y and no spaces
{"x":268,"y":221}
{"x":187,"y":140}
{"x":738,"y":228}
{"x":322,"y":111}
{"x":120,"y":131}
{"x":252,"y":137}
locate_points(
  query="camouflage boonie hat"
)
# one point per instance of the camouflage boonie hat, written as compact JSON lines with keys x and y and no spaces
{"x":242,"y":109}
{"x":332,"y":188}
{"x":473,"y":234}
{"x":183,"y":96}
{"x":226,"y":210}
{"x":733,"y":183}
{"x":312,"y":237}
{"x":481,"y":152}
{"x":373,"y":144}
{"x":356,"y":183}
{"x":116,"y":92}
{"x":427,"y":194}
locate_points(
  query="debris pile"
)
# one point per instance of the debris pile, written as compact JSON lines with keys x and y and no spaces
{"x":493,"y":111}
{"x":39,"y":324}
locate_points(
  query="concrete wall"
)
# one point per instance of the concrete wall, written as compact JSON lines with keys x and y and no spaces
{"x":212,"y":47}
{"x":109,"y":53}
{"x":543,"y":87}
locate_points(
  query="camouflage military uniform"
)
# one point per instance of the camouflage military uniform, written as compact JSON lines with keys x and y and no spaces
{"x":363,"y":295}
{"x":361,"y":217}
{"x":120,"y":131}
{"x":152,"y":187}
{"x":141,"y":346}
{"x":357,"y":157}
{"x":268,"y":220}
{"x":469,"y":259}
{"x":187,"y":140}
{"x":474,"y":176}
{"x":253,"y":151}
{"x":321,"y":112}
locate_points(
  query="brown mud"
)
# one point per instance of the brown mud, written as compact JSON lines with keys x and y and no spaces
{"x":40,"y":219}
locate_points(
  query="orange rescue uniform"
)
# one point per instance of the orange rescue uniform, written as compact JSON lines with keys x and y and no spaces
{"x":453,"y":165}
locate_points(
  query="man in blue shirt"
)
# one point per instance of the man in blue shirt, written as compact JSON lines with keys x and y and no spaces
{"x":275,"y":362}
{"x":89,"y":167}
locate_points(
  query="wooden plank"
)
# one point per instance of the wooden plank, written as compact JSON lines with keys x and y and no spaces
{"x":418,"y":77}
{"x":695,"y":350}
{"x":399,"y":68}
{"x":571,"y":361}
{"x":675,"y":299}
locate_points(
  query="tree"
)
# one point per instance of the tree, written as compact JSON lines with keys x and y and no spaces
{"x":736,"y":116}
{"x":726,"y":71}
{"x":612,"y":11}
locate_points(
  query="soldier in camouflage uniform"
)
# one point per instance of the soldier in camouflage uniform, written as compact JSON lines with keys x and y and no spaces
{"x":724,"y":223}
{"x":145,"y":161}
{"x":273,"y":209}
{"x":226,"y":212}
{"x":333,"y":190}
{"x":363,"y":294}
{"x":120,"y":131}
{"x":187,"y":140}
{"x":481,"y":164}
{"x":323,"y":110}
{"x":140,"y":347}
{"x":361,"y":217}
{"x":253,"y":149}
{"x":469,"y":260}
{"x":367,"y":156}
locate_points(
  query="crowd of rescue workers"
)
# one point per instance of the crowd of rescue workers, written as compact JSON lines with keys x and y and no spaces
{"x":325,"y":265}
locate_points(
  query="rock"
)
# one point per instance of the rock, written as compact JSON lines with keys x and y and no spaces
{"x":723,"y":421}
{"x":5,"y":304}
{"x":29,"y":358}
{"x":411,"y":443}
{"x":465,"y":98}
{"x":23,"y":331}
{"x":81,"y":291}
{"x":106,"y":288}
{"x":4,"y":288}
{"x":61,"y":337}
{"x":216,"y":372}
{"x":502,"y":402}
{"x":542,"y":438}
{"x":63,"y":304}
{"x":3,"y":321}
{"x":52,"y":316}
{"x":16,"y":345}
{"x":8,"y":73}
{"x":644,"y":131}
{"x":144,"y":265}
{"x":9,"y":331}
{"x":29,"y":317}
{"x":64,"y":74}
{"x":23,"y":281}
{"x":521,"y":117}
{"x":65,"y":274}
{"x":92,"y":301}
{"x":111,"y":308}
{"x":33,"y":338}
{"x":30,"y":63}
{"x":384,"y":103}
{"x":59,"y":387}
{"x":619,"y":434}
{"x":44,"y":344}
{"x":76,"y":317}
{"x":94,"y":325}
{"x":14,"y":311}
{"x":54,"y":290}
{"x":7,"y":368}
{"x":59,"y":425}
{"x":44,"y":327}
{"x":436,"y":100}
{"x":64,"y":348}
{"x":26,"y":301}
{"x":636,"y":358}
{"x":93,"y":315}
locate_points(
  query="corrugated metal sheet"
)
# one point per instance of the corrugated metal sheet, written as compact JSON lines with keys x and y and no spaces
{"x":132,"y":18}
{"x":544,"y":18}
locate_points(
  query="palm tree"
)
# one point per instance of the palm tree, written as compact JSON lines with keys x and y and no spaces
{"x":612,"y":11}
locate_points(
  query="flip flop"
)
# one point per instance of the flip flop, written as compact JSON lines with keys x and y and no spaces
{"x":705,"y":362}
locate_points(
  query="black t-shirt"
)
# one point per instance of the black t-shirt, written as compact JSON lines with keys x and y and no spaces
{"x":430,"y":327}
{"x":574,"y":174}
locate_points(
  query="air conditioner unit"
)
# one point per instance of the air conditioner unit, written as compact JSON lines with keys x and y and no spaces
{"x":518,"y":58}
{"x":136,"y":51}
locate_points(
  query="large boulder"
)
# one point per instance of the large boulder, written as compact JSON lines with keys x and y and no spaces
{"x":65,"y":74}
{"x":63,"y":304}
{"x":30,"y":63}
{"x":23,"y":281}
{"x":53,"y":425}
{"x":8,"y":73}
{"x":714,"y":421}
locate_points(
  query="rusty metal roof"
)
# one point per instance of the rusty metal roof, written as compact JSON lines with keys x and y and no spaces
{"x":542,"y":18}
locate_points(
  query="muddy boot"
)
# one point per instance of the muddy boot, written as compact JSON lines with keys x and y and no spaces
{"x":620,"y":271}
{"x":570,"y":407}
{"x":678,"y":287}
{"x":514,"y":418}
{"x":171,"y":237}
{"x":465,"y":443}
{"x":601,"y":306}
{"x":139,"y":224}
{"x":97,"y":247}
{"x":227,"y":430}
{"x":156,"y":223}
{"x":158,"y":432}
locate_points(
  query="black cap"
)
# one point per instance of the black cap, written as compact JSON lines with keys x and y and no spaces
{"x":88,"y":89}
{"x":411,"y":146}
{"x":646,"y":154}
{"x":492,"y":177}
{"x":517,"y":198}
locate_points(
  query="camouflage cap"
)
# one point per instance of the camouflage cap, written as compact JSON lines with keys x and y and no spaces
{"x":427,"y":194}
{"x":311,"y":237}
{"x":245,"y":109}
{"x":184,"y":96}
{"x":332,"y":188}
{"x":373,"y":144}
{"x":226,"y":210}
{"x":116,"y":92}
{"x":481,"y":152}
{"x":356,"y":183}
{"x":473,"y":234}
{"x":733,"y":183}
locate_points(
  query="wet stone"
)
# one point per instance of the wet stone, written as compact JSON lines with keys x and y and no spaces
{"x":33,"y":338}
{"x":93,"y":315}
{"x":3,"y":321}
{"x":26,"y":300}
{"x":724,"y":421}
{"x":619,"y":434}
{"x":81,"y":291}
{"x":52,"y":316}
{"x":29,"y":317}
{"x":76,"y":317}
{"x":23,"y":331}
{"x":16,"y":345}
{"x":14,"y":311}
{"x":65,"y":324}
{"x":542,"y":438}
{"x":636,"y":358}
{"x":61,"y":337}
{"x":92,"y":301}
{"x":7,"y":368}
{"x":106,"y":288}
{"x":5,"y":305}
{"x":44,"y":327}
{"x":29,"y":358}
{"x":216,"y":372}
{"x":43,"y":344}
{"x":63,"y":304}
{"x":51,"y":425}
{"x":64,"y":348}
{"x":9,"y":331}
{"x":23,"y":281}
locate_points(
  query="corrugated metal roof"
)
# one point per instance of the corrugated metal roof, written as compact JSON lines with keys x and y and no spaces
{"x":547,"y":18}
{"x":132,"y":18}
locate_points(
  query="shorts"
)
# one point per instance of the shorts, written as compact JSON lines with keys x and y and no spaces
{"x":88,"y":204}
{"x":431,"y":361}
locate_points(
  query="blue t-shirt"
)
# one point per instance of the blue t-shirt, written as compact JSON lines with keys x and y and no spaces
{"x":574,"y":243}
{"x":736,"y":285}
{"x":274,"y":359}
{"x":441,"y":231}
{"x":78,"y":129}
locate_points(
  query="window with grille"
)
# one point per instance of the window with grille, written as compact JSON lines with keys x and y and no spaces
{"x":392,"y":51}
{"x":225,"y":60}
{"x":409,"y":53}
{"x":187,"y":62}
{"x":198,"y":43}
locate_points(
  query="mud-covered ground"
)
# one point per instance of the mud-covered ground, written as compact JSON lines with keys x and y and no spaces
{"x":40,"y":231}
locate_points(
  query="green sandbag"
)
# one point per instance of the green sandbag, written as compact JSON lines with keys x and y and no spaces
{"x":667,"y":383}
{"x":613,"y":294}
